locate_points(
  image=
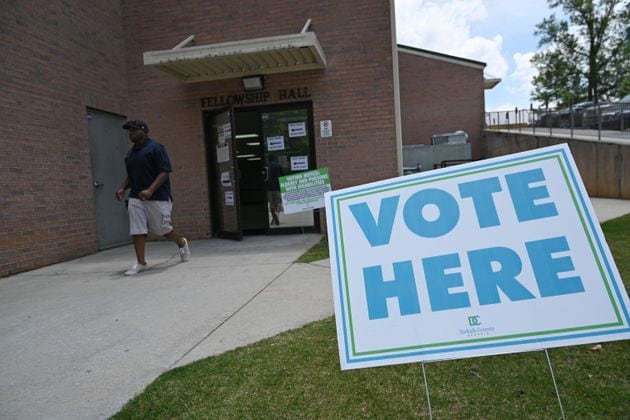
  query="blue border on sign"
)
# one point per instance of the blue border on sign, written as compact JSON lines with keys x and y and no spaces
{"x":596,"y":234}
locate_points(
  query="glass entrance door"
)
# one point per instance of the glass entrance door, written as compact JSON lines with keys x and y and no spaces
{"x":270,"y":143}
{"x":251,"y":165}
{"x":287,"y":150}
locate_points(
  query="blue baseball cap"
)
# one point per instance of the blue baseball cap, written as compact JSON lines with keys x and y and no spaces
{"x":136,"y":124}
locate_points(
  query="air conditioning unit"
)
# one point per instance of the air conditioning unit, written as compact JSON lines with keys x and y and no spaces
{"x":457,"y":137}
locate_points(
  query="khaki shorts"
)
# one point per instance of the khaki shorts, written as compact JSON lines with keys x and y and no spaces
{"x":149,"y":217}
{"x":275,"y":201}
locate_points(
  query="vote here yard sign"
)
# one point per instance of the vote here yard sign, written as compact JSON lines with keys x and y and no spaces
{"x":496,"y":256}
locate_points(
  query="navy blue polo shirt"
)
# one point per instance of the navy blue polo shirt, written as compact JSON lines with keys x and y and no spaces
{"x":144,"y":163}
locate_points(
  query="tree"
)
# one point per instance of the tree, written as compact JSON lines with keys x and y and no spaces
{"x":587,"y":56}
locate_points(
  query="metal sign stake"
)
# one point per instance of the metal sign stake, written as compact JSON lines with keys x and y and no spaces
{"x":553,"y":377}
{"x":426,"y":387}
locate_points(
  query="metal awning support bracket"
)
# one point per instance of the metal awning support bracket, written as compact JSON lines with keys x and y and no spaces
{"x":184,"y":43}
{"x":306,"y":27}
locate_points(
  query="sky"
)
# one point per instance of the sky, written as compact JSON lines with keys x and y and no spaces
{"x":499,"y":33}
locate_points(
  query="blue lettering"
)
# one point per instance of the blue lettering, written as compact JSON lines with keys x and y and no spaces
{"x":438,"y":282}
{"x":524,"y":197}
{"x":377,"y":233}
{"x":488,"y":281}
{"x":415,"y":221}
{"x":402,"y":287}
{"x":546,"y":268}
{"x":481,"y":193}
{"x":492,"y":269}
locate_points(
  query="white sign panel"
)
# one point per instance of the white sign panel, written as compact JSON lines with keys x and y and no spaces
{"x":497,"y":256}
{"x":299,"y":163}
{"x":325,"y":128}
{"x":275,"y":143}
{"x":297,"y":129}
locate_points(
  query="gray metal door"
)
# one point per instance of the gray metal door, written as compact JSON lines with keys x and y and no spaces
{"x":108,"y":148}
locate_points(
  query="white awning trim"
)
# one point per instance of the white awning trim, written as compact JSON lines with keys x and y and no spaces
{"x":278,"y":54}
{"x":490,"y":83}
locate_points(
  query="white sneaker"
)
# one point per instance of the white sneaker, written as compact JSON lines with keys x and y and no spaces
{"x":135,"y":269}
{"x":184,"y":252}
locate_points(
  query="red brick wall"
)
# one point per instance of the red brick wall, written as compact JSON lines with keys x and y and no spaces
{"x":57,"y":59}
{"x":61,"y":57}
{"x":355,"y":91}
{"x":437,"y":96}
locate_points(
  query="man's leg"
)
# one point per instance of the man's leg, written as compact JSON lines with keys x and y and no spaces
{"x":159,"y":221}
{"x":138,"y":245}
{"x":175,"y":237}
{"x":138,"y":230}
{"x":278,"y":206}
{"x":182,"y":243}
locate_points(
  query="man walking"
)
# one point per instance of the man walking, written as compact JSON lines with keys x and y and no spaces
{"x":273,"y":189}
{"x":150,"y":201}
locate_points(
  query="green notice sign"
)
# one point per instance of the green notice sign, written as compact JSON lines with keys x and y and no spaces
{"x":304,"y":190}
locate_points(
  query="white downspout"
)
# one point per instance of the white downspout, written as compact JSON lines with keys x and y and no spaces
{"x":397,"y":117}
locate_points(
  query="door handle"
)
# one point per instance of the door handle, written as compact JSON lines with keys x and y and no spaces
{"x":98,"y":184}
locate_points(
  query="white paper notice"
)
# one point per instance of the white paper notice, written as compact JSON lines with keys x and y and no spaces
{"x":325,"y":128}
{"x":227,"y":131}
{"x":226,"y":181}
{"x":223,"y":153}
{"x":275,"y":143}
{"x":299,"y":163}
{"x":229,"y":198}
{"x":297,"y":129}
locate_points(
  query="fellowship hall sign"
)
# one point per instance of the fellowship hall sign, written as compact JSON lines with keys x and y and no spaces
{"x":251,"y":98}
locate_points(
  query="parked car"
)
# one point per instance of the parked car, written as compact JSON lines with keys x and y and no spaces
{"x":616,"y":117}
{"x":611,"y":114}
{"x":561,"y":118}
{"x":572,"y":115}
{"x":592,"y":114}
{"x":543,"y":118}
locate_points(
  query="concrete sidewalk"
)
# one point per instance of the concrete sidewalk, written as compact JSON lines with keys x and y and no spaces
{"x":79,"y":339}
{"x":608,"y":208}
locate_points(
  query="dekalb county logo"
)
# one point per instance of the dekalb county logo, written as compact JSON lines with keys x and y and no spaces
{"x":474,"y":320}
{"x":476,"y":330}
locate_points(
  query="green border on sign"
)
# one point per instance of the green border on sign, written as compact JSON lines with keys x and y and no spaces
{"x":605,"y":280}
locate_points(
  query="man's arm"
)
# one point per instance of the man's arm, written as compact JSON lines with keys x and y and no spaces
{"x":157,"y":183}
{"x":120,"y":192}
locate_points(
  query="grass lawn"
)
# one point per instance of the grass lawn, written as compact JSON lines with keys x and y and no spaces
{"x":319,"y":251}
{"x":296,"y":375}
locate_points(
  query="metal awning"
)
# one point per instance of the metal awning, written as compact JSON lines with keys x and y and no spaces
{"x":278,"y":54}
{"x":490,"y":83}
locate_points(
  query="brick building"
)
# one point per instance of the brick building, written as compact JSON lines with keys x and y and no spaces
{"x":440,"y":94}
{"x":74,"y":71}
